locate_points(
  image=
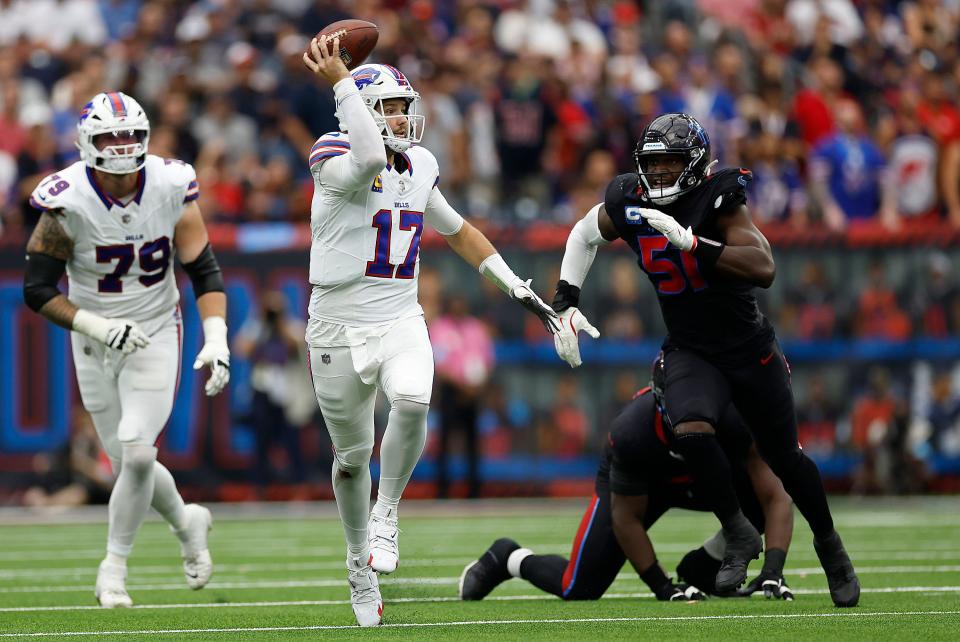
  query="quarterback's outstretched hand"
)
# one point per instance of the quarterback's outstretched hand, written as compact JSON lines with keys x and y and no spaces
{"x":122,"y":335}
{"x":323,"y":63}
{"x":215,"y":354}
{"x":567,"y":341}
{"x":525,"y":296}
{"x":773,"y":587}
{"x":679,"y":236}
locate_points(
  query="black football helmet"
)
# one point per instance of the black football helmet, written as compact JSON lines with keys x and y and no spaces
{"x":679,"y":135}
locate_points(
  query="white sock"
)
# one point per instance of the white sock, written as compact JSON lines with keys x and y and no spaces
{"x":131,"y":497}
{"x":516,"y":558}
{"x":400,"y":450}
{"x":168,"y":502}
{"x":116,"y":560}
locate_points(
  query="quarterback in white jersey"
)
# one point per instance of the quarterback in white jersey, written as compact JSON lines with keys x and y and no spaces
{"x":113,"y":221}
{"x":374,"y":190}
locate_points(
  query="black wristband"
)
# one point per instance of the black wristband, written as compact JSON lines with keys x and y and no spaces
{"x":774,"y":560}
{"x":707,"y":252}
{"x":567,"y":296}
{"x":655,"y":578}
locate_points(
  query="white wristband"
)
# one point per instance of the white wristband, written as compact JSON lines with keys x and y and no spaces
{"x":215,"y":329}
{"x":496,"y":269}
{"x":92,"y":325}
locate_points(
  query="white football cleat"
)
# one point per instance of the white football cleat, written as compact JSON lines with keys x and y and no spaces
{"x":365,"y":596}
{"x":383,"y":535}
{"x":111,"y":588}
{"x":197,"y":565}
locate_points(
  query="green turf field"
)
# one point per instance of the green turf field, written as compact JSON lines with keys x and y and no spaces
{"x":281,"y":577}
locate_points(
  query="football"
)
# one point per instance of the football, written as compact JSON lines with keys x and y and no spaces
{"x":357,"y":39}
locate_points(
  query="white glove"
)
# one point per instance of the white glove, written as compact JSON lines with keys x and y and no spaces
{"x":566,"y":341}
{"x":215,"y":354}
{"x":525,"y":296}
{"x":679,"y":236}
{"x":122,"y":335}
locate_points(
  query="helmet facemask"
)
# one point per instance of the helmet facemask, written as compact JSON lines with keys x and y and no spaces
{"x":385,"y":114}
{"x":661,"y":186}
{"x":124,"y":154}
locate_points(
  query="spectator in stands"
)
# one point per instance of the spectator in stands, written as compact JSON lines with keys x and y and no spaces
{"x":463,"y":355}
{"x":938,"y":113}
{"x":878,"y":314}
{"x":776,"y":192}
{"x":847,"y":174}
{"x":563,"y":428}
{"x":620,"y":307}
{"x":936,"y":304}
{"x":944,"y":416}
{"x":817,"y":416}
{"x":811,"y":310}
{"x":873,"y":429}
{"x":913,"y":164}
{"x":78,"y":473}
{"x":282,"y":400}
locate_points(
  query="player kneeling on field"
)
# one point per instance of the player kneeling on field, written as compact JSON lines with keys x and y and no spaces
{"x":639,"y":479}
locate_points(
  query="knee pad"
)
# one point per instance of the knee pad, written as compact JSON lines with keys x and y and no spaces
{"x":139,"y":458}
{"x":354,"y":458}
{"x":410,"y":410}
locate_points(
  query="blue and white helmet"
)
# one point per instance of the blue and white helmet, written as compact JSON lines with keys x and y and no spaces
{"x":107,"y":115}
{"x":383,"y":82}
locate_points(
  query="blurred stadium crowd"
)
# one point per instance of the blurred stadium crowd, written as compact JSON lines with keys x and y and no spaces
{"x":845,"y":110}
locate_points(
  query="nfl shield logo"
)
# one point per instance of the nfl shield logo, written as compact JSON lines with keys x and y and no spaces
{"x":325,"y":358}
{"x":125,"y":218}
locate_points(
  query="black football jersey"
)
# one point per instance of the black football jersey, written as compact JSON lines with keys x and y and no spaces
{"x":703,"y":310}
{"x":638,"y":452}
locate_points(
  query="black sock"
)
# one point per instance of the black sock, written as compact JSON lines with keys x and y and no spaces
{"x":710,"y":469}
{"x":773,"y":561}
{"x":801,"y":480}
{"x":545,"y":572}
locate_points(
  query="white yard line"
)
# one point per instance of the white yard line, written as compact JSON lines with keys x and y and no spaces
{"x":404,"y":600}
{"x":679,"y":618}
{"x":401,"y":581}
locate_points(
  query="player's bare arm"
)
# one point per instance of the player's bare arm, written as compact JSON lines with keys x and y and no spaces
{"x":629,"y":511}
{"x":592,"y":231}
{"x":477,"y":250}
{"x":746,"y":254}
{"x":200,"y":264}
{"x":48,"y":250}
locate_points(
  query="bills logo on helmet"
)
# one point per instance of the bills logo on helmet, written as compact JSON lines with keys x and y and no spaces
{"x":364,"y":77}
{"x":86,"y":111}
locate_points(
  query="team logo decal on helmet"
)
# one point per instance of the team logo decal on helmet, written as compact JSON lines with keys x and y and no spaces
{"x":378,"y":83}
{"x":677,"y":135}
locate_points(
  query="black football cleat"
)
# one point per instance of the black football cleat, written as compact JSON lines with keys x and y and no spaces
{"x":841,"y":578}
{"x":488,"y":572}
{"x":743,"y":545}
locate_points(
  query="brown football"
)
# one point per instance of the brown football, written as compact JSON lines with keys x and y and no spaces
{"x":357,"y":39}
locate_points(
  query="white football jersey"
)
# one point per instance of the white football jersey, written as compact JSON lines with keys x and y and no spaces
{"x":365,"y":254}
{"x":122,"y":263}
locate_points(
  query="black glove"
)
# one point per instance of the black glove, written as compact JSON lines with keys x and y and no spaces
{"x":671,"y":592}
{"x":772,"y":585}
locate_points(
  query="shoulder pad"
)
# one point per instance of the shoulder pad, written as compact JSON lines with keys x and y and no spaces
{"x":422,"y":160}
{"x":175,"y":171}
{"x":327,"y":146}
{"x":727,"y":188}
{"x":621,"y":188}
{"x":53,"y":192}
{"x":180,"y":176}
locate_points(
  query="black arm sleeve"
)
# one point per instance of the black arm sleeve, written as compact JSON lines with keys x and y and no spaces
{"x":40,"y":279}
{"x":205,"y":273}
